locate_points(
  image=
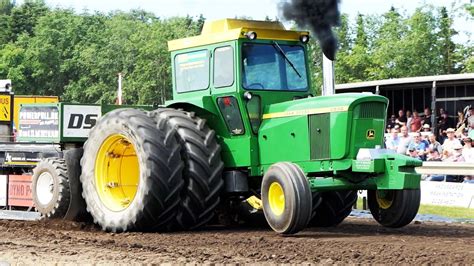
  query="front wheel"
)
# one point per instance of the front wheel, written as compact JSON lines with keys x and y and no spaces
{"x":286,"y":198}
{"x":394,"y":208}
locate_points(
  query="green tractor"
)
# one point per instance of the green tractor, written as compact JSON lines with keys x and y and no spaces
{"x":243,"y":127}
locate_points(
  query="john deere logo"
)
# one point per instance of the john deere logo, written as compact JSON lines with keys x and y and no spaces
{"x":370,"y":134}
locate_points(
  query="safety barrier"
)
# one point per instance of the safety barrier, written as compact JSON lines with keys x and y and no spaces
{"x":445,"y":168}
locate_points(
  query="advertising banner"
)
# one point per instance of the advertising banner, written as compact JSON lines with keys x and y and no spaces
{"x":447,"y":194}
{"x":39,"y":123}
{"x":19,"y":191}
{"x":79,"y":119}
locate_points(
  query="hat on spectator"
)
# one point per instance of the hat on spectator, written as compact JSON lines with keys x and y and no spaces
{"x":450,"y":130}
{"x":426,"y":126}
{"x":457,"y":146}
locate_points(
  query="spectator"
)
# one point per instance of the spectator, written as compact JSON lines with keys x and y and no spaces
{"x":401,"y":120}
{"x":426,"y":128}
{"x":434,"y":145}
{"x":409,"y":117}
{"x":391,"y":123}
{"x":393,"y":141}
{"x":468,"y":150}
{"x":444,"y":123}
{"x":470,"y":122}
{"x":470,"y":119}
{"x":412,"y":152}
{"x":460,"y":122}
{"x":433,"y":156}
{"x":418,"y":146}
{"x":415,"y":122}
{"x":449,"y":143}
{"x":456,"y":155}
{"x":427,"y":117}
{"x":405,"y":140}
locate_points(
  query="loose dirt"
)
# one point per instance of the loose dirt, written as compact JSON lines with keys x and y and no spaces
{"x":354,"y":241}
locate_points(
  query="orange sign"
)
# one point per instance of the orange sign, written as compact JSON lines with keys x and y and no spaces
{"x":19,"y":191}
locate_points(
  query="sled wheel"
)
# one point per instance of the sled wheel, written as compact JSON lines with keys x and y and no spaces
{"x":334,"y":208}
{"x":286,"y":198}
{"x":394,"y":208}
{"x":50,"y":188}
{"x":131,"y":172}
{"x":202,"y":174}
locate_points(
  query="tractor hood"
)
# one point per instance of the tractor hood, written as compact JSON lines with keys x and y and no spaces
{"x":322,"y":104}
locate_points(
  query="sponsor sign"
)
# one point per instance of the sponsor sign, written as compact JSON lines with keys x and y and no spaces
{"x":19,"y":191}
{"x":79,"y":119}
{"x":447,"y":194}
{"x":443,"y":194}
{"x":39,"y":122}
{"x":5,"y":107}
{"x":21,"y":158}
{"x":3,"y":190}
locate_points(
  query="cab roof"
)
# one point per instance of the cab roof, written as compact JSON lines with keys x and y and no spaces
{"x":232,"y":29}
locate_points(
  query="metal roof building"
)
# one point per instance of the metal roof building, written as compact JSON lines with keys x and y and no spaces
{"x":451,"y":92}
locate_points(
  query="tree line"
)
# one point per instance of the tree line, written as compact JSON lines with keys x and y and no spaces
{"x":77,"y":56}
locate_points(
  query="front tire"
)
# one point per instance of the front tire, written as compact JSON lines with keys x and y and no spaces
{"x":394,"y":208}
{"x":131,"y":172}
{"x":286,"y":198}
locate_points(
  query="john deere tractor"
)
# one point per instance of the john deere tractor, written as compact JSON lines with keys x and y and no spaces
{"x":244,"y":127}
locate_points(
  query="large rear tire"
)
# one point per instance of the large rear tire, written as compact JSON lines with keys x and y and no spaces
{"x":286,"y":198}
{"x":131,"y":172}
{"x":202,"y":174}
{"x":334,"y":208}
{"x":77,"y":207}
{"x":394,"y":208}
{"x":50,"y":188}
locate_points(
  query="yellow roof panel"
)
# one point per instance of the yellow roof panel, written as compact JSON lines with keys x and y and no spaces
{"x":232,"y":29}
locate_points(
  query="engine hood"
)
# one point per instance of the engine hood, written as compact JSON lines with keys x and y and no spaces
{"x":321,"y":104}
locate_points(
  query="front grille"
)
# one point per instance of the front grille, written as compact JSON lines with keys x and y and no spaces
{"x":373,"y":110}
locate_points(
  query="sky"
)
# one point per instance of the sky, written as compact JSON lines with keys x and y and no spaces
{"x":257,"y":9}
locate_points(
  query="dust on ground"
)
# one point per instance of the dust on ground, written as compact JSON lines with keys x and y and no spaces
{"x":354,"y":241}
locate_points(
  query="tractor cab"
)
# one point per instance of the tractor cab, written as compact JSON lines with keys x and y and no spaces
{"x":232,"y":72}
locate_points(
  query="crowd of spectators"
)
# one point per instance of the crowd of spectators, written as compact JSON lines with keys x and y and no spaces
{"x":413,"y":134}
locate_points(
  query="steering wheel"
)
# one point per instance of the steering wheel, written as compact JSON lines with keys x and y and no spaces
{"x":255,"y":84}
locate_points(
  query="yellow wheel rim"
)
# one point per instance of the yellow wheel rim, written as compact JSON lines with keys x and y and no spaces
{"x":276,"y":198}
{"x":117,"y":172}
{"x":384,"y":199}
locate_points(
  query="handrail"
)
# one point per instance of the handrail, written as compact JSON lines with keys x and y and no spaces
{"x":446,"y":168}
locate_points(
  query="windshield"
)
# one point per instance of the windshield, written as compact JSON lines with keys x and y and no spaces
{"x":273,"y":67}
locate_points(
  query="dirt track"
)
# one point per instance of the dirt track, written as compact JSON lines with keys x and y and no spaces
{"x":354,"y":241}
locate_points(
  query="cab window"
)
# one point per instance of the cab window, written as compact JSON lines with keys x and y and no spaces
{"x":192,"y":71}
{"x":223,"y":67}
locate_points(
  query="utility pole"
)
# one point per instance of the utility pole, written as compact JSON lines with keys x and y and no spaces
{"x":119,"y":91}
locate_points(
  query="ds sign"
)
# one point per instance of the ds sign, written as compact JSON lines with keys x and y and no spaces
{"x":79,"y":119}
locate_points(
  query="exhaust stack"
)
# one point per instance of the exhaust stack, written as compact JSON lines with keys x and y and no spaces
{"x":328,"y":77}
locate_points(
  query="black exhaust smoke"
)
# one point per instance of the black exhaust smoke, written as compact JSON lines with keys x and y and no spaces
{"x":319,"y":16}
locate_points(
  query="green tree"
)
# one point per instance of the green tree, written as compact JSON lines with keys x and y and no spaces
{"x":25,"y":17}
{"x":342,"y":69}
{"x":387,"y":54}
{"x":446,"y":45}
{"x":359,"y":60}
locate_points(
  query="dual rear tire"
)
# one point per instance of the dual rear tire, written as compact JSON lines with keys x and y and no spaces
{"x":151,"y":171}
